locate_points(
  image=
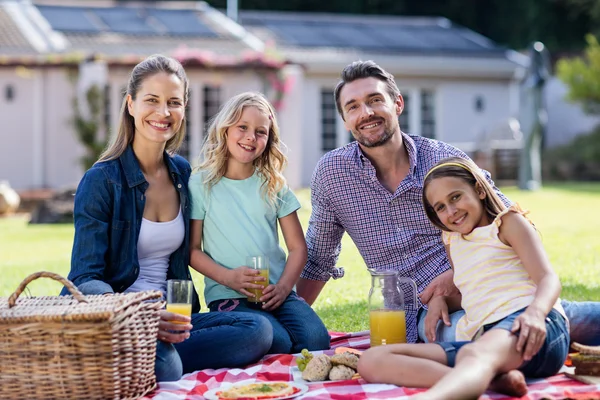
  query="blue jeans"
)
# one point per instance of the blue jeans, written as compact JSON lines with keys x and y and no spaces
{"x":296,"y":326}
{"x":217,"y":340}
{"x":584,"y":321}
{"x":546,"y":362}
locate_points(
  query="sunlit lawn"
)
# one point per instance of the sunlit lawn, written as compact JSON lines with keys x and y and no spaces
{"x":567,"y":216}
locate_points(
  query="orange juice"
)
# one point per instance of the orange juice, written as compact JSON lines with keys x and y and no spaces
{"x":180,"y":308}
{"x":387,"y":327}
{"x":257,"y":293}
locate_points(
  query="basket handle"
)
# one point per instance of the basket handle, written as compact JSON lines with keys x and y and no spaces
{"x":12,"y":300}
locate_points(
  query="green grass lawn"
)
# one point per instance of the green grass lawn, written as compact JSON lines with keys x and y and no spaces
{"x":567,"y":216}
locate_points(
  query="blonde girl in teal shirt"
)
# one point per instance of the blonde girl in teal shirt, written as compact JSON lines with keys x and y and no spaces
{"x":238,"y":196}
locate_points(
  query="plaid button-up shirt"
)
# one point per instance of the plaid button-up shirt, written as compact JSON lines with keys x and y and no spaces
{"x":391,"y":231}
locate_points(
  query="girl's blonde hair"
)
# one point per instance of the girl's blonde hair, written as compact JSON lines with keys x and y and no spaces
{"x":145,"y":69}
{"x":214,"y":154}
{"x":468,"y":171}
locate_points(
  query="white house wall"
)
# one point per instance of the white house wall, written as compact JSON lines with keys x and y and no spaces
{"x":16,"y":136}
{"x":458,"y":120}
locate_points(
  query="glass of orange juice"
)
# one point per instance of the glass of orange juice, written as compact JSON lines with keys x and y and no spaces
{"x":261,"y":264}
{"x":179,"y":297}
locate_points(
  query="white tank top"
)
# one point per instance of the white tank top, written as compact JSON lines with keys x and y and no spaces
{"x":156,"y":242}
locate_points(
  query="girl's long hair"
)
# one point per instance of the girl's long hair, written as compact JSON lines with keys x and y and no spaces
{"x":214,"y":153}
{"x":150,"y":66}
{"x":469,"y":172}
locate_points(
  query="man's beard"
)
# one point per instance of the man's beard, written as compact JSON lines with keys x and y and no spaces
{"x":380,"y":141}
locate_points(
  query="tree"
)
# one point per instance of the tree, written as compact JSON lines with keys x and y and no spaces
{"x":582,"y":76}
{"x":87,"y":127}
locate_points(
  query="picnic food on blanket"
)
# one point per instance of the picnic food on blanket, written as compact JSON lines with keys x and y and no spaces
{"x":348,"y":359}
{"x":341,"y":373}
{"x":317,"y":369}
{"x":342,"y":349}
{"x":303,"y":361}
{"x":259,"y":391}
{"x":338,"y":367}
{"x":587,"y":360}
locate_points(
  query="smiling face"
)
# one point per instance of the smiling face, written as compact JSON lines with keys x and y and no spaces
{"x":369,"y":112}
{"x":457,"y":204}
{"x":247,"y":140}
{"x":158,"y":109}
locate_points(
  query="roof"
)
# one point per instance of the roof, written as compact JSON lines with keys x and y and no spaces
{"x":143,"y":29}
{"x":372,"y":33}
{"x":145,"y":20}
{"x":12,"y":40}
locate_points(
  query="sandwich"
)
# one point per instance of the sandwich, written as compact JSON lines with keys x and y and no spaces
{"x":587,"y":360}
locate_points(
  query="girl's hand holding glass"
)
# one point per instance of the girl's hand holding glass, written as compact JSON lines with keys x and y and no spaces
{"x":274,"y":295}
{"x":242,"y":278}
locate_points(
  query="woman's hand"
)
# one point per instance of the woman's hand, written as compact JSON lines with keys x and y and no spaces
{"x":531,"y":328}
{"x":436,"y":309}
{"x":242,"y":278}
{"x":171,"y":332}
{"x":274,"y":295}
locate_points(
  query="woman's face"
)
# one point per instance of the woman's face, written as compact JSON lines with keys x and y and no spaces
{"x":158,"y":109}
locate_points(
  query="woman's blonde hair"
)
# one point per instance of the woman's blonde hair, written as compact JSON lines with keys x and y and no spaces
{"x":214,"y":153}
{"x":145,"y":69}
{"x":469,"y":172}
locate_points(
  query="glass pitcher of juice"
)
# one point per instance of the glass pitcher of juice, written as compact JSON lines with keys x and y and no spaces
{"x":387,"y":314}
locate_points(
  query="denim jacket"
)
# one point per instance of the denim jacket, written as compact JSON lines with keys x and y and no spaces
{"x":109,"y":206}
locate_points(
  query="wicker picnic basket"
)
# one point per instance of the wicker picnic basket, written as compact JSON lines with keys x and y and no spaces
{"x":77,"y":347}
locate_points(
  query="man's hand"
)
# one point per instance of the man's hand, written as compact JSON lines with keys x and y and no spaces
{"x":436,"y":309}
{"x":274,"y":295}
{"x":531,"y":328}
{"x":173,"y":328}
{"x":441,"y":285}
{"x":242,"y":278}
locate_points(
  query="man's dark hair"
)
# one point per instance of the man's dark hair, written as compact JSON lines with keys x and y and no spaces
{"x":361,"y":70}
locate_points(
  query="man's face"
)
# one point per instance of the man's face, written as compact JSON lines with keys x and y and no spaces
{"x":369,"y":111}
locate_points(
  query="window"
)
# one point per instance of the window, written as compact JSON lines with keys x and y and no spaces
{"x":328,"y":121}
{"x":212,"y":102}
{"x":404,"y":118}
{"x":428,"y":114}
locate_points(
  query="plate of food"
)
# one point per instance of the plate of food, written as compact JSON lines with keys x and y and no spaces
{"x":257,"y":390}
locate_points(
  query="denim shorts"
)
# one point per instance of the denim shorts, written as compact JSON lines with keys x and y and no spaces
{"x":546,"y":362}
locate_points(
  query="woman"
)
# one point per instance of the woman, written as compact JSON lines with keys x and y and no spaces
{"x":132,"y":217}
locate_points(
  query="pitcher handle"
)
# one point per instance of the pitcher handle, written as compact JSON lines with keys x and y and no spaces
{"x":413,"y":284}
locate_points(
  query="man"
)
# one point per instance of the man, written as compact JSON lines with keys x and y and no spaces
{"x":371,"y":188}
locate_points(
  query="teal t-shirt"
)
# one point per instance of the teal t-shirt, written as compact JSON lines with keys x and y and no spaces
{"x":238,"y":222}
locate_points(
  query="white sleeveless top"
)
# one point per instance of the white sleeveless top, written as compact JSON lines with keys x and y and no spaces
{"x":156,"y":242}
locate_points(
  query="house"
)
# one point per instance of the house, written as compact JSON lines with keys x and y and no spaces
{"x":457,"y":85}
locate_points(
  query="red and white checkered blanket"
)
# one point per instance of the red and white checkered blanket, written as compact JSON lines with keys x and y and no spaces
{"x":279,"y":367}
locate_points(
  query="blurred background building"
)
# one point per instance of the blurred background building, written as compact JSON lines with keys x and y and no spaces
{"x":458,"y":86}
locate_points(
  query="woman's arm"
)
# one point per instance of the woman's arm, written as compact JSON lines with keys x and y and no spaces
{"x":293,"y":235}
{"x":92,"y":215}
{"x":239,"y":279}
{"x":516,"y":231}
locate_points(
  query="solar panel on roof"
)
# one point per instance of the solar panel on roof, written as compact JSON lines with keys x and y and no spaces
{"x":124,"y":20}
{"x":68,"y":19}
{"x":299,"y":34}
{"x":359,"y":35}
{"x":181,"y":22}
